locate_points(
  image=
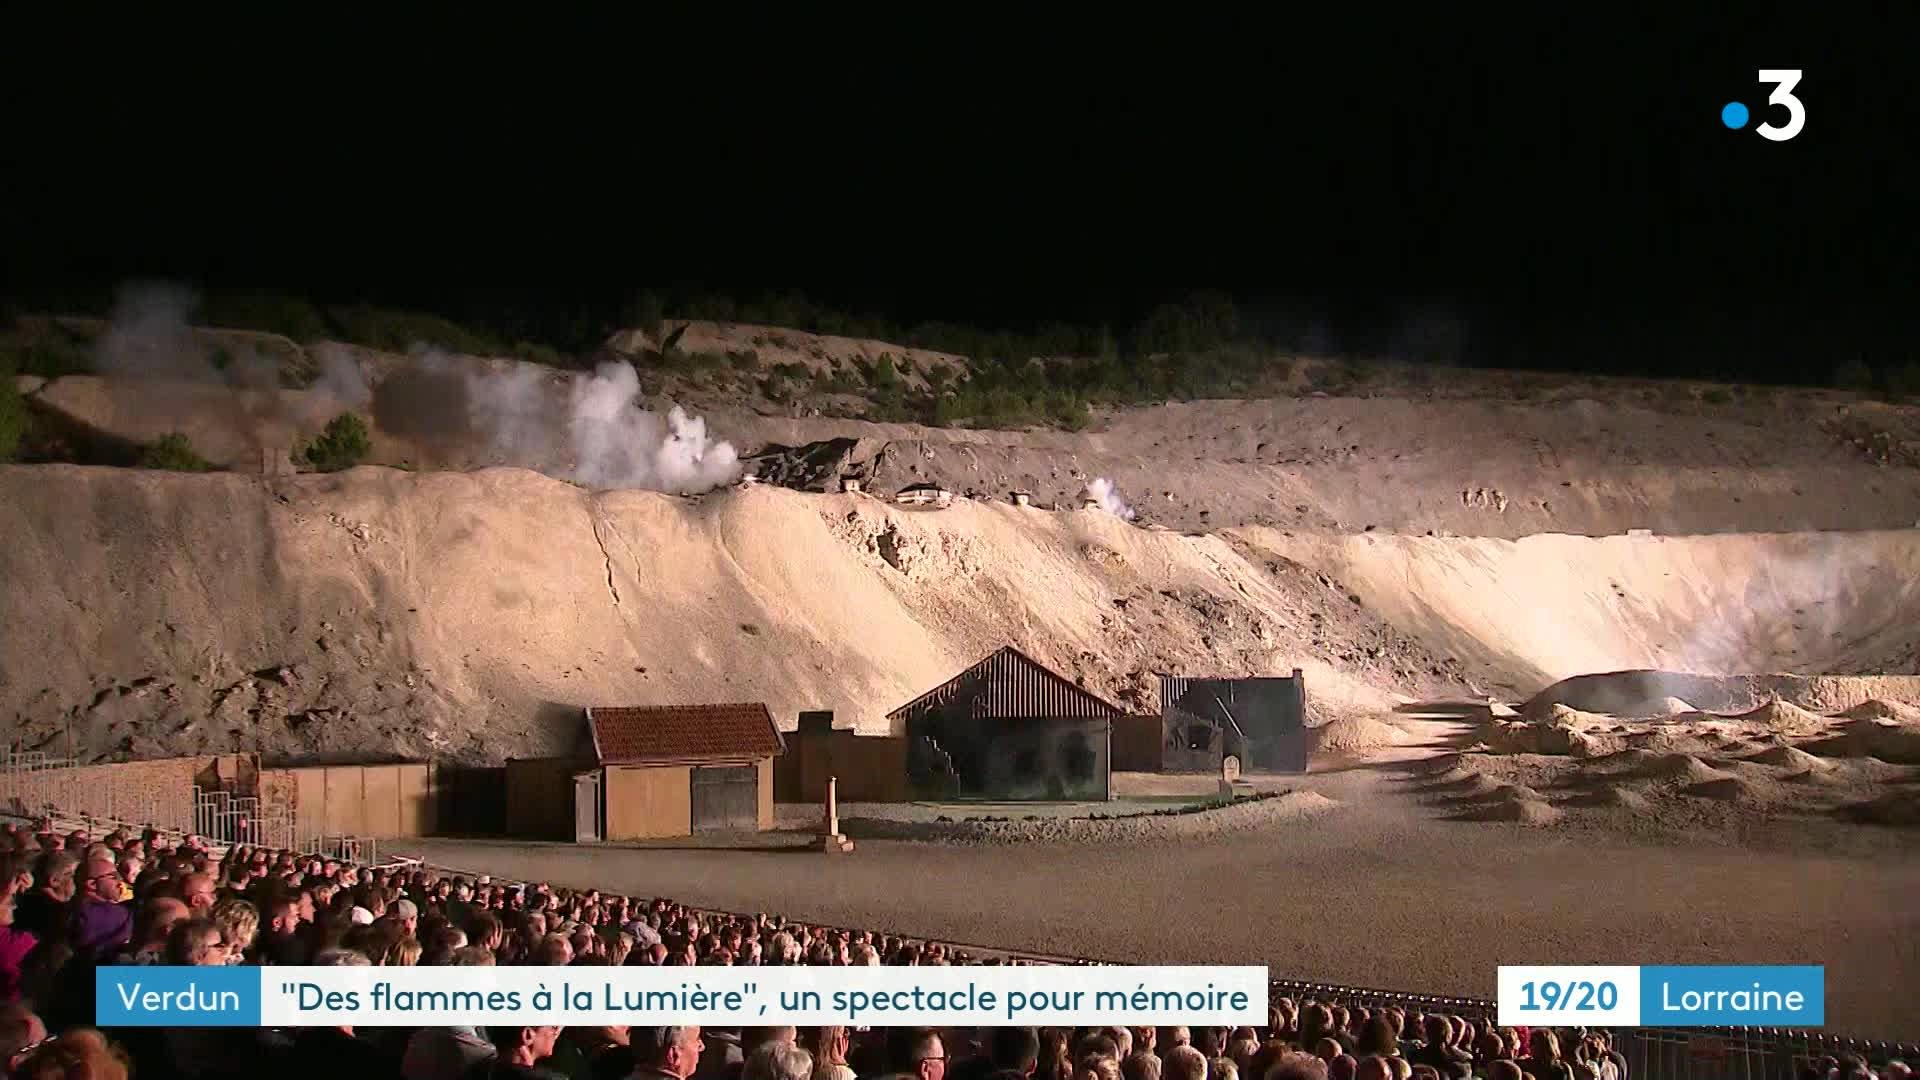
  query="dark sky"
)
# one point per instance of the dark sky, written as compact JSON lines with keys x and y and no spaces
{"x":1562,"y":187}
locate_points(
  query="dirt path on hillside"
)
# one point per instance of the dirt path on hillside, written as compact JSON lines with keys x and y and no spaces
{"x":1380,"y":893}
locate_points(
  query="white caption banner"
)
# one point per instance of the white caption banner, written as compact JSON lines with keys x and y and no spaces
{"x":879,"y":996}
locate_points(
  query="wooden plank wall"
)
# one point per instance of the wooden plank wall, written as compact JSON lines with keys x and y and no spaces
{"x":361,"y":800}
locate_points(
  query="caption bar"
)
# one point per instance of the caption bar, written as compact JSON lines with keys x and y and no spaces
{"x":884,"y":997}
{"x":1708,"y":996}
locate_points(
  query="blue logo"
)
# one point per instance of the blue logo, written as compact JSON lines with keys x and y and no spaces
{"x":1734,"y":115}
{"x":160,"y":996}
{"x":1746,"y":996}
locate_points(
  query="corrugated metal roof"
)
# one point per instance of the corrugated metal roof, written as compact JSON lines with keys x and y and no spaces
{"x":627,"y":735}
{"x":1010,"y":685}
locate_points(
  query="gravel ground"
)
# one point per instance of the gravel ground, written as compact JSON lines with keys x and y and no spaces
{"x":1378,"y":891}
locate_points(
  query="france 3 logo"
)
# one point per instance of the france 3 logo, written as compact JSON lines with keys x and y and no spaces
{"x":1735,"y":116}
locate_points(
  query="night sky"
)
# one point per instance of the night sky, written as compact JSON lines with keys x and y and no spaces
{"x":1561,"y":188}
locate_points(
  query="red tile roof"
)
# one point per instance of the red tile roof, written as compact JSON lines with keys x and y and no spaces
{"x":681,"y":732}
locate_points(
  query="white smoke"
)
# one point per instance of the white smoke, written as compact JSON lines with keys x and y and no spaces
{"x":589,"y":429}
{"x":148,"y":336}
{"x":618,"y":444}
{"x":340,"y":376}
{"x":1103,"y":491}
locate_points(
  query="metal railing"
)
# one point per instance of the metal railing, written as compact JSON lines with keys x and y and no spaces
{"x":36,"y":785}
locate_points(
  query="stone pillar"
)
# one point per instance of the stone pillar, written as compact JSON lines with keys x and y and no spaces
{"x":833,"y":806}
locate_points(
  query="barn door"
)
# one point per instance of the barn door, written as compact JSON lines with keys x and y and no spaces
{"x":725,"y":798}
{"x":586,"y":808}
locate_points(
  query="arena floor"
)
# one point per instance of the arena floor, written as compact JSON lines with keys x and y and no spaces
{"x":1379,"y":893}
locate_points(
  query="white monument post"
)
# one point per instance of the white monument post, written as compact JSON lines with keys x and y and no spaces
{"x":833,"y":806}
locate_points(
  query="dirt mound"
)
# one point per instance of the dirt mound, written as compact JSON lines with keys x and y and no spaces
{"x":1623,"y":692}
{"x":1666,"y":706}
{"x":1470,"y":786}
{"x":1630,"y":760}
{"x":1788,"y":757}
{"x":1893,"y":808}
{"x":1733,"y":789}
{"x":1893,"y":711}
{"x":1675,"y":739}
{"x":1896,"y":743}
{"x":1353,"y":734}
{"x":1827,"y":777}
{"x":1563,"y":735}
{"x":1522,"y":810}
{"x":1778,"y":716}
{"x":1614,"y":795}
{"x":1684,"y":767}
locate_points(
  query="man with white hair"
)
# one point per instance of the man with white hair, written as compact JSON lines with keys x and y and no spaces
{"x":665,"y":1053}
{"x":778,"y":1060}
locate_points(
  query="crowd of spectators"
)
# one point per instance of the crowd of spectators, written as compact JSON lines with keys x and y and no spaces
{"x":70,"y":903}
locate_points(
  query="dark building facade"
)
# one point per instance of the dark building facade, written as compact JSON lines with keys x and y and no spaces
{"x":1260,"y":721}
{"x":1008,"y":728}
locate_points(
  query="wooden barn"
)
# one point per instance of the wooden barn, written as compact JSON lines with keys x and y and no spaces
{"x":655,"y":772}
{"x":1008,"y":728}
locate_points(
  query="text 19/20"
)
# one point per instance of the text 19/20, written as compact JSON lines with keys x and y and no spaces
{"x":1574,"y":996}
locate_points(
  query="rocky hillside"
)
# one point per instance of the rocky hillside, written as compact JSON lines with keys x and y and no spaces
{"x":1397,"y":460}
{"x":376,"y":612}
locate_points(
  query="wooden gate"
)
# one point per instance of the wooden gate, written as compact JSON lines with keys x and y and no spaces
{"x":726,"y":798}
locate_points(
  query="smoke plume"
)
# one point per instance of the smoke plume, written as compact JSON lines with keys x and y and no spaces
{"x":590,"y":429}
{"x":621,"y":445}
{"x":1103,"y":491}
{"x":340,"y":375}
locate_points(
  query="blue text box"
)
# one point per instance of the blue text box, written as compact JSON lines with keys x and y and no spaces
{"x":1733,"y":996}
{"x":176,"y":996}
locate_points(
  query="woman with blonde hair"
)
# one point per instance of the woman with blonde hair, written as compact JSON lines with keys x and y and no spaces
{"x":403,"y":953}
{"x":830,"y":1053}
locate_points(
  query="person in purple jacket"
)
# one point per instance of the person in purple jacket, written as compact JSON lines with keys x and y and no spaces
{"x":101,"y":921}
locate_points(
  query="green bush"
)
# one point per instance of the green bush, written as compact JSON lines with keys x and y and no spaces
{"x":1904,"y":381}
{"x":174,"y":453}
{"x":271,"y":313}
{"x":398,"y":331}
{"x":342,"y":445}
{"x":535,"y":353}
{"x":52,"y":359}
{"x":1853,"y":374}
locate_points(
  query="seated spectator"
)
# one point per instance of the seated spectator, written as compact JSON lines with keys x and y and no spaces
{"x":778,"y":1059}
{"x":445,"y":1053}
{"x":1183,"y":1063}
{"x":75,"y":1054}
{"x":20,"y":1028}
{"x":830,"y":1046}
{"x":518,"y":1054}
{"x":40,"y":911}
{"x":15,"y":944}
{"x":1298,"y":1066}
{"x":665,"y":1052}
{"x":1543,"y":1063}
{"x":1140,"y":1065}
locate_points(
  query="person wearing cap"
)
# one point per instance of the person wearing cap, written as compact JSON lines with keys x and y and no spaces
{"x":407,"y":914}
{"x":360,"y":916}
